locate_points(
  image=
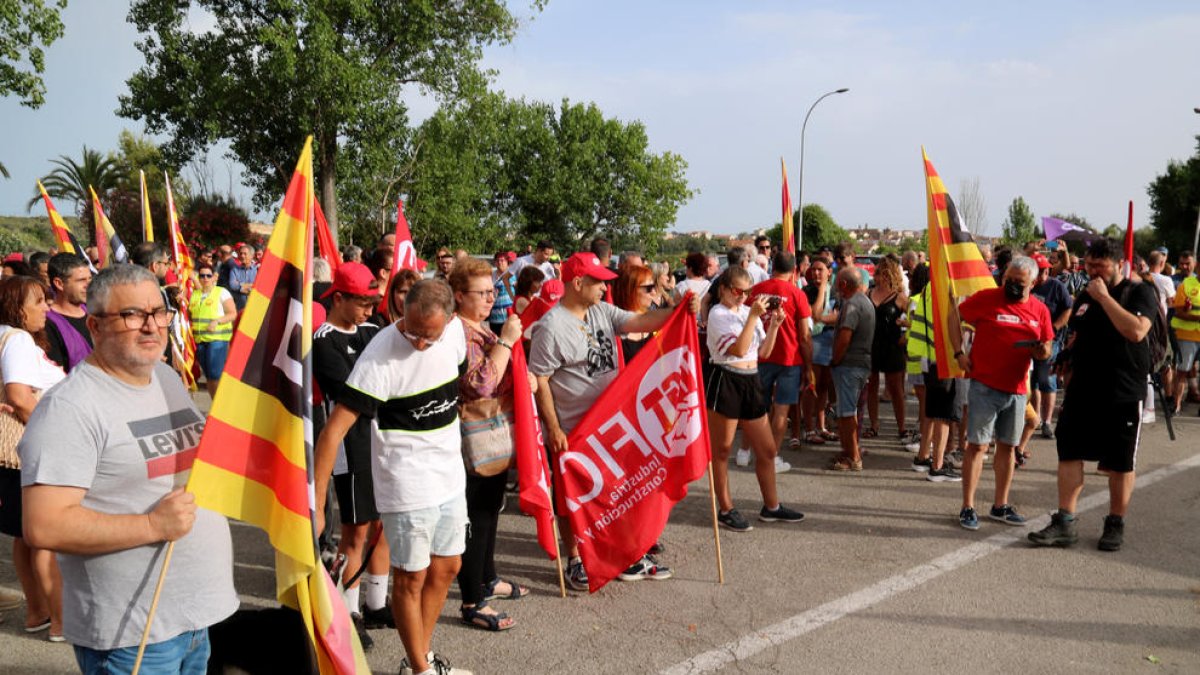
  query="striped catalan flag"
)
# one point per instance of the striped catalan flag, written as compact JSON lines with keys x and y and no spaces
{"x":62,"y":233}
{"x":956,"y":267}
{"x":183,"y":340}
{"x":111,"y":248}
{"x":255,"y":457}
{"x":789,"y":234}
{"x":147,"y":222}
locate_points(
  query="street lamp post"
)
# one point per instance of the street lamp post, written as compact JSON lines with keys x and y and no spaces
{"x":1196,"y":237}
{"x":800,"y":188}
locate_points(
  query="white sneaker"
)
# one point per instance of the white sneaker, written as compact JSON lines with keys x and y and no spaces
{"x":781,"y":466}
{"x":913,"y":447}
{"x":1148,"y":417}
{"x":743,"y":457}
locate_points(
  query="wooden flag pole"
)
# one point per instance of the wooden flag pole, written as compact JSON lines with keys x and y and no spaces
{"x":162,"y":577}
{"x":712,"y":493}
{"x":562,"y":584}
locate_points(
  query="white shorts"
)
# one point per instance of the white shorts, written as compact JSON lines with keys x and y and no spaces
{"x":413,"y":536}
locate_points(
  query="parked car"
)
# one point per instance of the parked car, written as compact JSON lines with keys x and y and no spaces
{"x":867,"y":262}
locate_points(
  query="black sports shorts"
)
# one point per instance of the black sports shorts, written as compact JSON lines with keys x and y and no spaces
{"x":1107,"y":433}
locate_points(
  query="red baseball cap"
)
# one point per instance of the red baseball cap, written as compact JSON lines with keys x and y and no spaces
{"x":552,"y":290}
{"x":353,"y":278}
{"x":586,"y":264}
{"x":1041,"y":261}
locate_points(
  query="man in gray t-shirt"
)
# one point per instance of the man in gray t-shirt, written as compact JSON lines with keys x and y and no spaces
{"x":573,"y":355}
{"x":851,"y":362}
{"x":104,"y":460}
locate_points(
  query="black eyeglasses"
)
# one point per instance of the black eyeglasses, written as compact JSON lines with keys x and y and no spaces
{"x":204,"y":276}
{"x":135,"y":319}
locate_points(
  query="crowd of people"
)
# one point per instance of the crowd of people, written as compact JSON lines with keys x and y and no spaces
{"x":414,"y":391}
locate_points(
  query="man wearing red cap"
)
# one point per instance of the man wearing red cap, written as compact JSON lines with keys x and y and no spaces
{"x":335,"y":349}
{"x":573,"y":355}
{"x":1053,"y":293}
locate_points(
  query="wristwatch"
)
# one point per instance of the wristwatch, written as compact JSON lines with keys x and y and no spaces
{"x":504,"y":344}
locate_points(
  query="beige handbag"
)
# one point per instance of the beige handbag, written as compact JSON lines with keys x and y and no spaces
{"x":487,"y":441}
{"x":11,"y":428}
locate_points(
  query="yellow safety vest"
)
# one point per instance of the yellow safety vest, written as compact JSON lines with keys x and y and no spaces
{"x":205,"y":308}
{"x":1188,"y":329}
{"x":920,"y":335}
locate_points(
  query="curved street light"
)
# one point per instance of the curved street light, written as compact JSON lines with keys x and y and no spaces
{"x":800,"y":188}
{"x":1196,"y":237}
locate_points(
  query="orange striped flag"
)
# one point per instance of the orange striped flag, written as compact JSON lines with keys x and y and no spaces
{"x":789,"y":237}
{"x":956,"y":267}
{"x":62,"y":233}
{"x":254,"y":459}
{"x":183,"y":341}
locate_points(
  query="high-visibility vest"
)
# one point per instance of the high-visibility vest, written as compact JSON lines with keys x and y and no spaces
{"x":1188,"y":329}
{"x":920,"y":335}
{"x":204,"y":309}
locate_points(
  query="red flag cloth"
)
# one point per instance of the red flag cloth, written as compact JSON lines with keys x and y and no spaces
{"x":1129,"y":242}
{"x":405,"y":257}
{"x":632,"y":456}
{"x":325,"y":246}
{"x":533,"y":474}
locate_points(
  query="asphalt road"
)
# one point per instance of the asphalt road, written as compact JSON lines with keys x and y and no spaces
{"x":879,"y":579}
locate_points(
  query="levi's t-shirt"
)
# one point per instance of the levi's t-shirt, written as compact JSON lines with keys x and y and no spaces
{"x":999,"y":324}
{"x":416,"y":452}
{"x":795,"y":304}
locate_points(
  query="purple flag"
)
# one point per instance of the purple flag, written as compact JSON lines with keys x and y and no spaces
{"x":1057,"y":227}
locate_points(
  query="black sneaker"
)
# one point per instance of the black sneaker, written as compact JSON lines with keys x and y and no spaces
{"x":363,"y":637}
{"x":922,"y":465}
{"x":646,"y":568}
{"x":577,"y":577}
{"x":732,"y":520}
{"x":781,"y":514}
{"x":1060,"y":532}
{"x":1006,"y":514}
{"x":379,"y":618}
{"x":1114,"y":534}
{"x":946,"y":474}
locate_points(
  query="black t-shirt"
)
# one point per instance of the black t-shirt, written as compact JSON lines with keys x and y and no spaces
{"x":1104,"y":365}
{"x":58,"y":346}
{"x":334,"y":354}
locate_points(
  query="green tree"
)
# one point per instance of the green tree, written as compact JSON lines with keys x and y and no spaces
{"x":70,"y":179}
{"x":269,"y":74}
{"x":819,"y":229}
{"x":1174,"y":200}
{"x":1019,"y":227}
{"x":26,"y":26}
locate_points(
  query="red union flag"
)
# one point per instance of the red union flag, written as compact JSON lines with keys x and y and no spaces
{"x":533,"y":474}
{"x":634,"y":453}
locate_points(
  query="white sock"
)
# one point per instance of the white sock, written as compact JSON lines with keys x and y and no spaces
{"x":350,"y":596}
{"x":1149,"y":398}
{"x":377,"y":586}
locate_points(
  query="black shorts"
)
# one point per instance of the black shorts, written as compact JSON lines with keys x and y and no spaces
{"x":941,"y":397}
{"x":356,"y":497}
{"x":1107,"y":433}
{"x":10,"y":502}
{"x":734,"y":394}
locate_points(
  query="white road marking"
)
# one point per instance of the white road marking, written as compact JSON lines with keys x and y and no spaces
{"x":818,"y":617}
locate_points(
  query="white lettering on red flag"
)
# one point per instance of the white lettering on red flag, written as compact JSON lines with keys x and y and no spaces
{"x":633,"y":455}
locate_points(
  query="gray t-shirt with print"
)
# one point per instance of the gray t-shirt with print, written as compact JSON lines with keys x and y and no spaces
{"x":858,"y":314}
{"x":128,"y":446}
{"x":579,"y":357}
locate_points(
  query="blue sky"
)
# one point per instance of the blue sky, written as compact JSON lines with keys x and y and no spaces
{"x":1076,"y":106}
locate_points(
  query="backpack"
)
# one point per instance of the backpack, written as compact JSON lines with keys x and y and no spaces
{"x":1159,"y":337}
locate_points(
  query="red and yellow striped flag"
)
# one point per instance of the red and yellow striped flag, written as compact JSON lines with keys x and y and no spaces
{"x":789,"y":236}
{"x":956,"y":267}
{"x":110,"y":247}
{"x":147,"y":223}
{"x":62,"y":233}
{"x":254,"y":457}
{"x":183,"y":341}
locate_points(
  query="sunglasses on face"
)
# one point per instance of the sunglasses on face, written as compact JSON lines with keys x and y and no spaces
{"x":649,"y":288}
{"x":738,"y":292}
{"x":204,"y":276}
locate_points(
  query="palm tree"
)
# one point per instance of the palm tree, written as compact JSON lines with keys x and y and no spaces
{"x":70,"y":180}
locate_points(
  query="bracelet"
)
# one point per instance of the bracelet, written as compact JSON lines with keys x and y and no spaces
{"x":504,"y":344}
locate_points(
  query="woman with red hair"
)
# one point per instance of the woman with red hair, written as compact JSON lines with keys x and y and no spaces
{"x":634,"y":290}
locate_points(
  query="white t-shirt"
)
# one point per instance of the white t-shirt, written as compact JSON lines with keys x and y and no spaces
{"x":547,"y":267}
{"x":757,"y":273}
{"x":724,"y":327}
{"x":1166,"y":290}
{"x":22,"y":361}
{"x":698,"y":286}
{"x":416,"y":452}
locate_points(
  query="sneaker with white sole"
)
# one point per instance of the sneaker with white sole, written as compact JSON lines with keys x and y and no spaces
{"x":576,"y":576}
{"x":946,"y":474}
{"x":732,"y":520}
{"x":780,"y":514}
{"x":781,"y":466}
{"x":922,"y":465}
{"x":955,"y":458}
{"x":1148,"y":417}
{"x":646,"y":568}
{"x":742,"y":458}
{"x":1006,"y":514}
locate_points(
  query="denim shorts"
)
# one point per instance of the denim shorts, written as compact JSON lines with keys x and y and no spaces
{"x":412,"y":536}
{"x":1186,"y":356}
{"x":848,"y":382}
{"x":990,"y":411}
{"x":783,"y":380}
{"x":211,"y":357}
{"x":184,"y":654}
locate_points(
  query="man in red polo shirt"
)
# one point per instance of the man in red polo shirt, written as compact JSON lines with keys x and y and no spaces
{"x":1011,"y":329}
{"x":788,"y":369}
